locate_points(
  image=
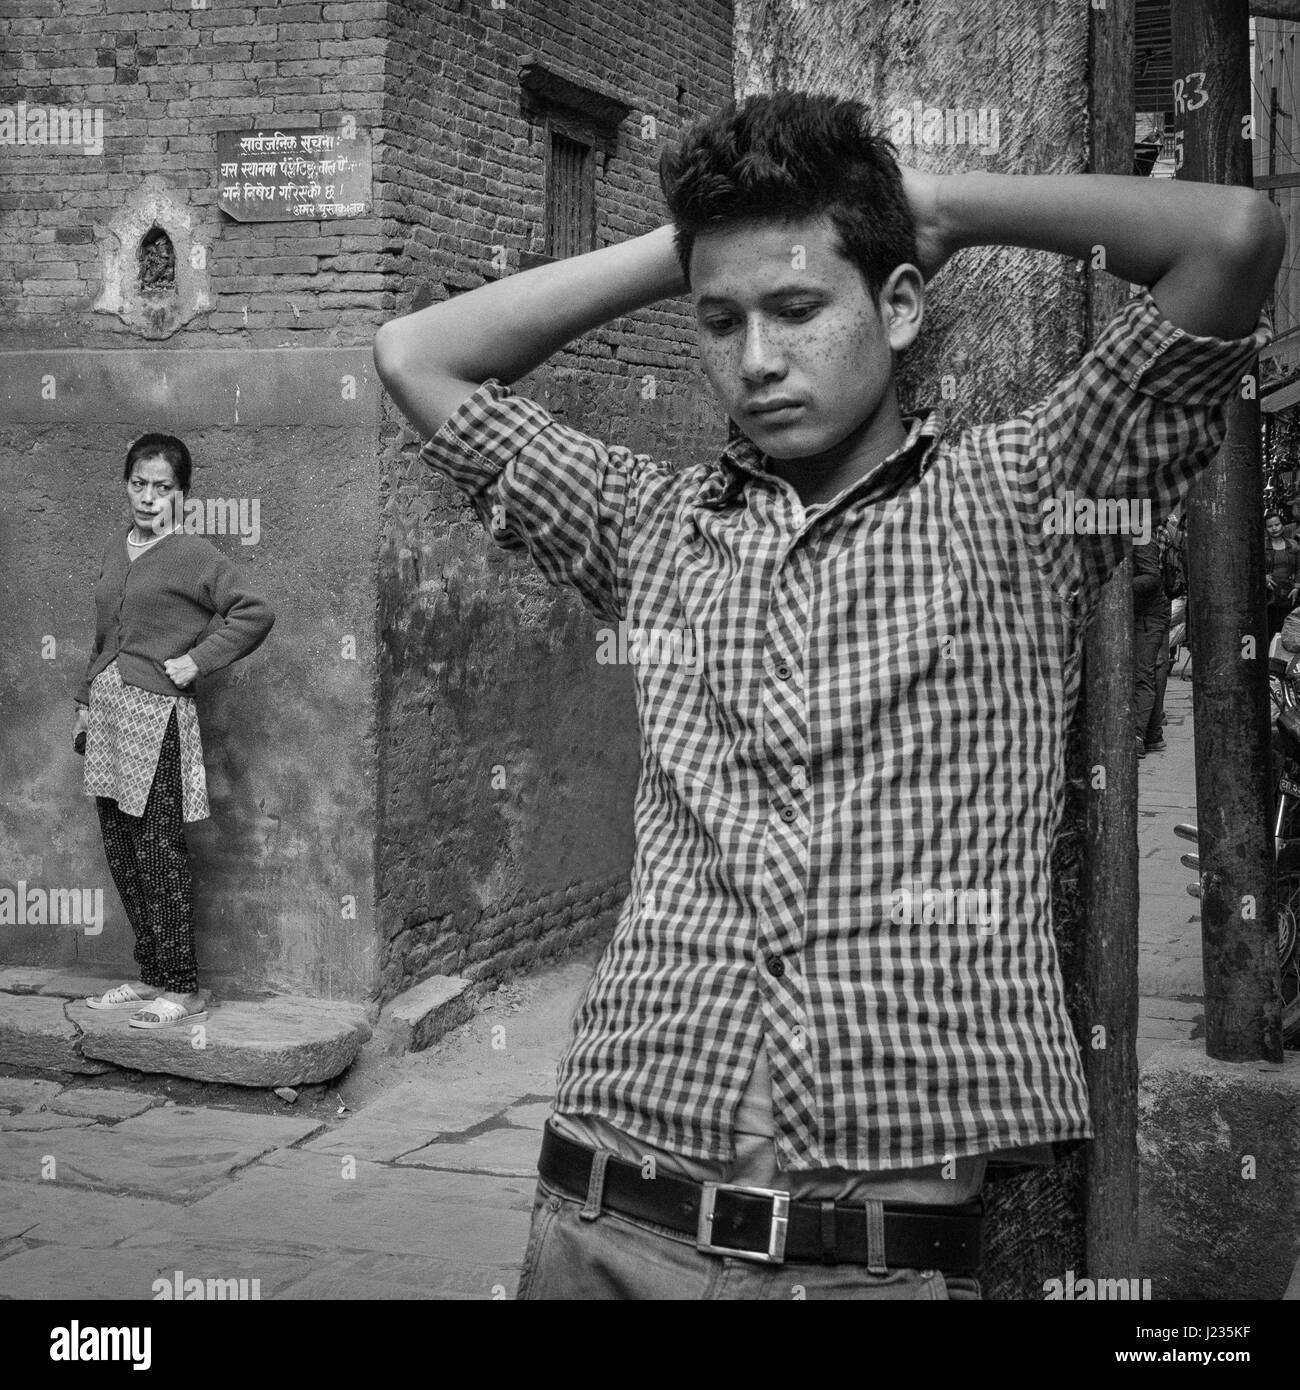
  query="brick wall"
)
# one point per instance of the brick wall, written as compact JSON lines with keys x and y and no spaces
{"x":167,"y":78}
{"x":508,"y":757}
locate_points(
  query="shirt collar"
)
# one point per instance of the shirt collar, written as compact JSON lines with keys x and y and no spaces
{"x":742,"y":459}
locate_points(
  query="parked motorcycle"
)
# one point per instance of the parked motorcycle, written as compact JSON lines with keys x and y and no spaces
{"x":1284,"y":698}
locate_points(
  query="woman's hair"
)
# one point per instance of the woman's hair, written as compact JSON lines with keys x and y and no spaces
{"x":788,"y":155}
{"x":166,"y":446}
{"x":1271,"y":513}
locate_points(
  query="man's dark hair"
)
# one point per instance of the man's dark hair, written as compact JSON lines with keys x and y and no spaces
{"x":792,"y":155}
{"x":167,"y":446}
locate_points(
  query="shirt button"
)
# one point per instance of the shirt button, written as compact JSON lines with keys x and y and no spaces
{"x":788,"y":813}
{"x":776,"y":966}
{"x":783,"y":672}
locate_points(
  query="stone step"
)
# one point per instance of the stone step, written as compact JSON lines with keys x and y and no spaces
{"x":285,"y":1040}
{"x":424,"y":1013}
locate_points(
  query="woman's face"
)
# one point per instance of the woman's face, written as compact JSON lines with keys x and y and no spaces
{"x":1273,"y":526}
{"x":151,"y":491}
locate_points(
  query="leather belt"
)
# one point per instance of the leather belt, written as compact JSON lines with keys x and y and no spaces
{"x":757,"y":1223}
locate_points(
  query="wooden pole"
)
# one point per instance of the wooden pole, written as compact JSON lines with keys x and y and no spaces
{"x":1226,"y":611}
{"x":1110,"y":897}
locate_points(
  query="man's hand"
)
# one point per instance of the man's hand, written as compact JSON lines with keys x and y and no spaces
{"x":180,"y":670}
{"x":932,"y":245}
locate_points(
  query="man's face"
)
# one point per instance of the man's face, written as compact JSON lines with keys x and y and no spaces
{"x":793,"y":343}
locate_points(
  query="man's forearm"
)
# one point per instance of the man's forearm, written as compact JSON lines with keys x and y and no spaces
{"x":431,"y":359}
{"x":1209,"y":253}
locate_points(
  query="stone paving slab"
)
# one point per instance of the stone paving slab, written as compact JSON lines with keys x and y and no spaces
{"x":64,"y":1215}
{"x":412,"y":1114}
{"x":24,"y":1091}
{"x":1169,"y":929}
{"x":105,"y":1103}
{"x":177,"y":1153}
{"x":63,"y":1271}
{"x":529,"y":1116}
{"x":1166,"y":1028}
{"x":1189,"y":1009}
{"x":295,"y":1197}
{"x":507,"y":1152}
{"x":286,"y":1041}
{"x":376,"y":1275}
{"x":34,"y":1121}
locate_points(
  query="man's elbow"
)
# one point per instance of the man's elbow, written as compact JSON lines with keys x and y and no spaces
{"x":1255,"y":235}
{"x":388,"y":351}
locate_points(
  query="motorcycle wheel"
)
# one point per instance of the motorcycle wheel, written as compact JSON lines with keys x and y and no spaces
{"x":1288,"y":942}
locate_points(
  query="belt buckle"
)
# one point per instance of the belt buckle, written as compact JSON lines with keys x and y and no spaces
{"x":780,"y":1219}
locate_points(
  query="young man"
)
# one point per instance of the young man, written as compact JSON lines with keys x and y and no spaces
{"x":833,"y":984}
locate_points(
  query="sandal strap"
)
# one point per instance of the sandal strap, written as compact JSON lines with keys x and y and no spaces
{"x":122,"y":994}
{"x":163,"y":1008}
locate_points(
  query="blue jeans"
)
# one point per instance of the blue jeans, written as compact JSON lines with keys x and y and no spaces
{"x":605,"y":1256}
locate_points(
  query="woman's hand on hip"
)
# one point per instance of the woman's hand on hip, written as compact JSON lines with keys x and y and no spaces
{"x":180,"y":671}
{"x":79,"y":727}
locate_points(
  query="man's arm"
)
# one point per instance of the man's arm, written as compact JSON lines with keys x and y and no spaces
{"x":433,"y":360}
{"x":1209,"y":253}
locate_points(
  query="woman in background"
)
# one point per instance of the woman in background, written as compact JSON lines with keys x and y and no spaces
{"x":158,"y":591}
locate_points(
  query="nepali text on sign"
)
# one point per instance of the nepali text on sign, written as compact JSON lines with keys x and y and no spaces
{"x":287,"y":175}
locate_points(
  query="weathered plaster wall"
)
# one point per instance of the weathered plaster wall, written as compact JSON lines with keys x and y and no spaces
{"x":288,"y":733}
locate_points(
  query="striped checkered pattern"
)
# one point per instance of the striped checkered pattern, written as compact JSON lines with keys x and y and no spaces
{"x":853,"y":757}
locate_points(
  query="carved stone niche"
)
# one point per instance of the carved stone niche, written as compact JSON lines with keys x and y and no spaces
{"x":147,"y":254}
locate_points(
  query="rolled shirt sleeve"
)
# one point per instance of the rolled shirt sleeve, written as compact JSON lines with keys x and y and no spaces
{"x":1122,"y":436}
{"x":545,"y":488}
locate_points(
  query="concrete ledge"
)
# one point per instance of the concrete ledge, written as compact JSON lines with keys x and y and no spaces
{"x":423,"y":1014}
{"x":192,"y":388}
{"x":285,"y":1041}
{"x":1219,"y":1149}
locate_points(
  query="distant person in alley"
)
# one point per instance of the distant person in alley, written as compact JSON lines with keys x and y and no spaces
{"x":785,"y":1074}
{"x":159,"y":590}
{"x":1152,"y":608}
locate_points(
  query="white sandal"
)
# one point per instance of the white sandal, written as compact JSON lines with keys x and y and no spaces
{"x":120,"y":997}
{"x":163,"y":1013}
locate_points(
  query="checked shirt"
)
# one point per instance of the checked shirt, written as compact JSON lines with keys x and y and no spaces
{"x":853,"y":729}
